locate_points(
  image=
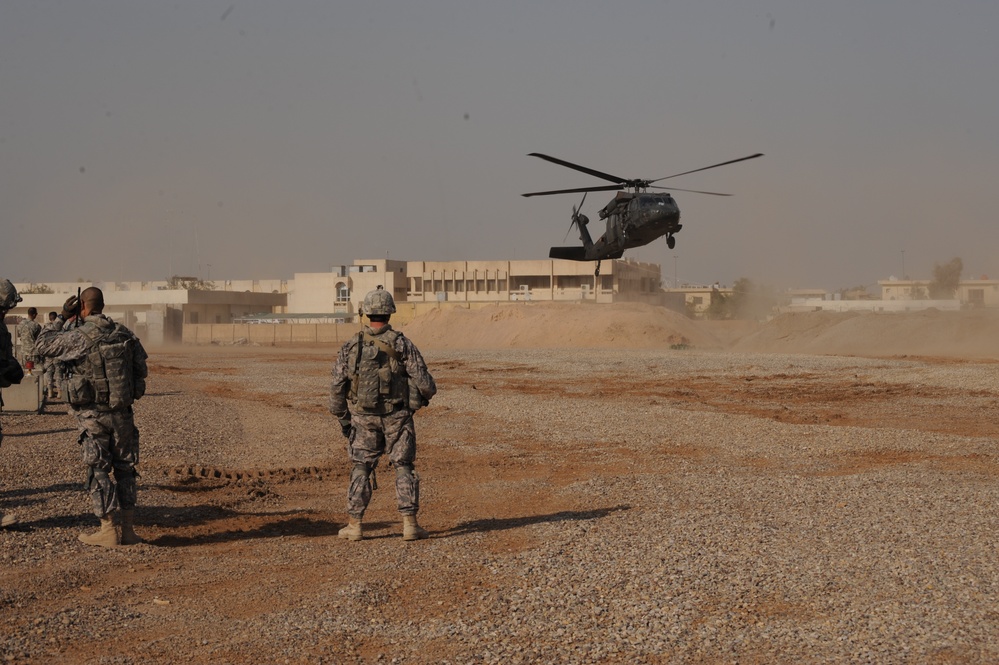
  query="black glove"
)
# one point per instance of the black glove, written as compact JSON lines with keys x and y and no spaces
{"x":11,"y":373}
{"x":345,"y":429}
{"x":71,"y":307}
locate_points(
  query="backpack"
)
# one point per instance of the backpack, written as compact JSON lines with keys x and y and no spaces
{"x":378,"y":382}
{"x":107,"y":376}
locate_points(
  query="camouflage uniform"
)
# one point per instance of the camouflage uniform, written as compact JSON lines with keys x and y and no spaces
{"x":27,"y":333}
{"x":6,"y":361}
{"x":387,"y":427}
{"x":10,"y":369}
{"x":108,"y":434}
{"x":53,"y":372}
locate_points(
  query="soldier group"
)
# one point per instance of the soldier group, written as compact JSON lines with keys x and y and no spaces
{"x":380,"y":380}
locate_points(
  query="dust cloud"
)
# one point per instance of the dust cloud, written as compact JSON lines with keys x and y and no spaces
{"x":965,"y":334}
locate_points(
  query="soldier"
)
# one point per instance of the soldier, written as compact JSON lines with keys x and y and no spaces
{"x":27,"y":333}
{"x":10,"y":369}
{"x":379,"y":381}
{"x":53,"y":371}
{"x":109,"y":372}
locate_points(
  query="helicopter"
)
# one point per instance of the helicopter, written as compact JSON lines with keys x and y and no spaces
{"x":634,"y":218}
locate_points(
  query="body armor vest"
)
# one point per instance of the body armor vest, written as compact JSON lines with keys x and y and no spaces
{"x":378,"y":382}
{"x":105,"y":376}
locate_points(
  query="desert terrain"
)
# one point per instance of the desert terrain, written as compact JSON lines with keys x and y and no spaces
{"x":602,"y":485}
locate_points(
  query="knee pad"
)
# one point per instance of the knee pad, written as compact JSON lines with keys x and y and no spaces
{"x":360,"y":470}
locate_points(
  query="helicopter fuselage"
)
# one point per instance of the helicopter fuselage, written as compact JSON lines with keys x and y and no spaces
{"x":632,"y":220}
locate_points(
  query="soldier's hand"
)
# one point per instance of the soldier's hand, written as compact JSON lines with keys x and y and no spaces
{"x":71,"y":307}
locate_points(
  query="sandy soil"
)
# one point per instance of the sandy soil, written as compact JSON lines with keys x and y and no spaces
{"x":593,"y":494}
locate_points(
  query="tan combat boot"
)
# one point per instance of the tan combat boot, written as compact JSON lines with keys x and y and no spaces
{"x":7,"y":520}
{"x":128,"y":534}
{"x":109,"y":535}
{"x":411,"y":530}
{"x":352,"y":531}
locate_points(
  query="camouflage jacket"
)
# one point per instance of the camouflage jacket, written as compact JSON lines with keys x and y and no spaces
{"x":410,"y":361}
{"x":27,"y":333}
{"x":10,"y":369}
{"x":72,"y":345}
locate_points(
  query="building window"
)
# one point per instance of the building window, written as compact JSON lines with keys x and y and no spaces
{"x":342,"y":292}
{"x":194,"y":317}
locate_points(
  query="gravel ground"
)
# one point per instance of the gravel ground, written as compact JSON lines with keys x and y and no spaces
{"x":585,"y":507}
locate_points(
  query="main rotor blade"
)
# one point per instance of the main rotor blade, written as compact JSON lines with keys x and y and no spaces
{"x":577,"y":167}
{"x":713,"y":166}
{"x":603,"y":188}
{"x":693,"y":191}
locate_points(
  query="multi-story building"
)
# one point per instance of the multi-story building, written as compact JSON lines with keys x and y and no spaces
{"x":418,"y":285}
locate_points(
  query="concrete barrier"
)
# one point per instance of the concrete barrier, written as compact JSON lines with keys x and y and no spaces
{"x":25,"y":396}
{"x":269,"y":334}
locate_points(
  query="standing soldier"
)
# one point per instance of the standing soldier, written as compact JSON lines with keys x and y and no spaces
{"x":109,"y":372}
{"x":27,"y":333}
{"x":10,"y":369}
{"x":379,"y":380}
{"x":52,"y":370}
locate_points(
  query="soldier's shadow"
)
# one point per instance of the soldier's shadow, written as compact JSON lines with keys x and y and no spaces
{"x":245,"y":525}
{"x":503,"y":523}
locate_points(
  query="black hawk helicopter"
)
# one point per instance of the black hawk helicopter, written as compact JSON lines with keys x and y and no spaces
{"x":634,"y":218}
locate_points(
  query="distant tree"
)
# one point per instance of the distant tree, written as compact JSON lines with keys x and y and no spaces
{"x":854,"y":293}
{"x":719,"y":307}
{"x":946,"y":278}
{"x":751,"y":301}
{"x":178,"y":282}
{"x":37,"y":288}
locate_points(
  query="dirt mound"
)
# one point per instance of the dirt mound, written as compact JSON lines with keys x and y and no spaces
{"x":965,"y":334}
{"x":551,"y":325}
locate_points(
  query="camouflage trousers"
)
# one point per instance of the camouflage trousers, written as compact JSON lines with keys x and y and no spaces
{"x":394,"y":436}
{"x":110,"y":443}
{"x":52,"y":376}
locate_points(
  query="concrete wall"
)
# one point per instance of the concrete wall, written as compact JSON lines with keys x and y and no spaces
{"x":269,"y":334}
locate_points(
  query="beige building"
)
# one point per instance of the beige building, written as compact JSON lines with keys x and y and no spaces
{"x":233,"y":309}
{"x":418,"y":285}
{"x":156,"y":312}
{"x":981,"y":292}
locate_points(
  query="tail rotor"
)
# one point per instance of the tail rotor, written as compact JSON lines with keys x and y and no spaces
{"x":579,"y":220}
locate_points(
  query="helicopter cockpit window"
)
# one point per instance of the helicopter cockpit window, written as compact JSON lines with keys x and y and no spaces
{"x":651,"y":201}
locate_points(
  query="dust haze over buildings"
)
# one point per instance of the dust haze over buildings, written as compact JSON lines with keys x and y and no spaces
{"x":257,"y":139}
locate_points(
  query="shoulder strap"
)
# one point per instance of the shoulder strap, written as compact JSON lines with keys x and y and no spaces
{"x":387,"y":348}
{"x":94,"y":336}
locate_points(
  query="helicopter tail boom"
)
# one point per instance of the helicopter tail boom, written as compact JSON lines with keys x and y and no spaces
{"x":568,"y":253}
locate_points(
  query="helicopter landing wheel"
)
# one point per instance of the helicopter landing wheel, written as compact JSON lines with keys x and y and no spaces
{"x":670,"y":242}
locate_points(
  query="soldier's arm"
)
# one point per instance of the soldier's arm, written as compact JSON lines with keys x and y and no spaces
{"x":416,"y":368}
{"x":339,"y":386}
{"x":139,"y":367}
{"x":52,"y":342}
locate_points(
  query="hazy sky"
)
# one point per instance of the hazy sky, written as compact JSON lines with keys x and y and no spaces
{"x":239,"y":139}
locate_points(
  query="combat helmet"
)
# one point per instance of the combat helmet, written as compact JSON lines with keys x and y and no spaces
{"x":379,"y":303}
{"x":9,"y":296}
